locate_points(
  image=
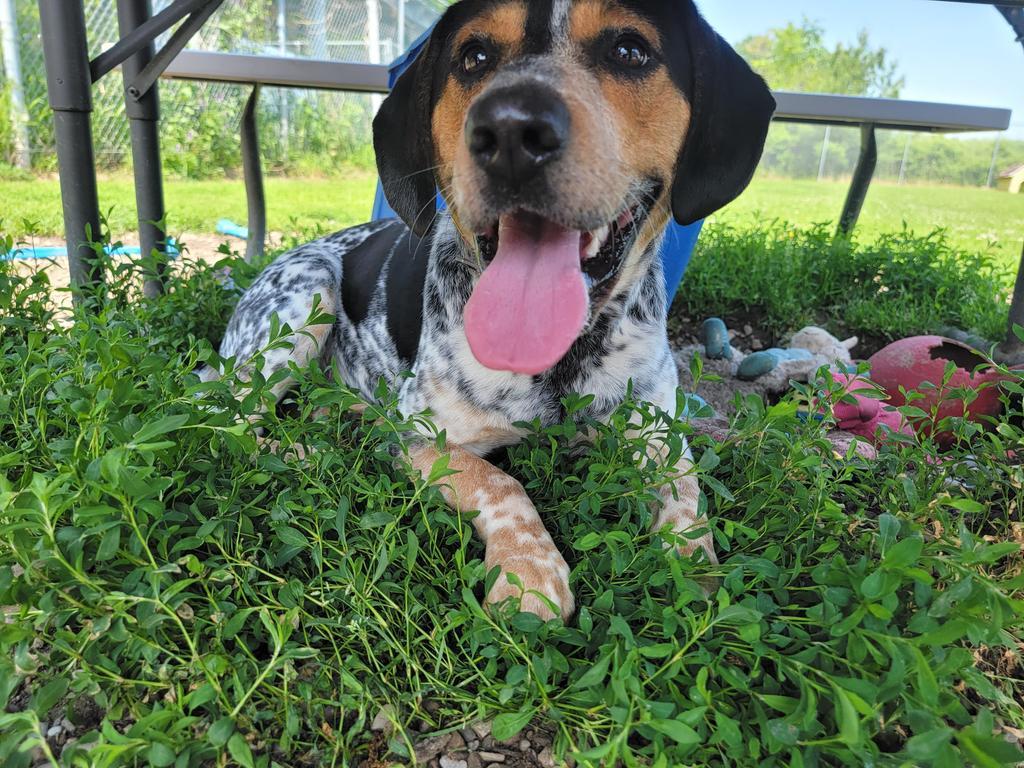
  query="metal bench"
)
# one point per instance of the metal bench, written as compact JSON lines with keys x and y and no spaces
{"x":70,"y":76}
{"x":867,"y":113}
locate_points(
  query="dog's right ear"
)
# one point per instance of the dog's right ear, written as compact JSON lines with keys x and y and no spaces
{"x":403,"y":139}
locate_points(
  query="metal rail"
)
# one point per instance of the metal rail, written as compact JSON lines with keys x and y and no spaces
{"x":816,"y":108}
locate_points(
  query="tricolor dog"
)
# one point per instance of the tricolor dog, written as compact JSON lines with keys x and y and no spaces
{"x":563,"y":135}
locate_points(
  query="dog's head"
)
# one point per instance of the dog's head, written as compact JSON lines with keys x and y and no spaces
{"x":563,"y":134}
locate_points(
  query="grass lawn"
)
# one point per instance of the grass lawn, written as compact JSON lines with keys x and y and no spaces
{"x":183,"y":596}
{"x":973,"y":217}
{"x":196,"y":206}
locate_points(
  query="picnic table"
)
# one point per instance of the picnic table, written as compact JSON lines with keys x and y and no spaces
{"x":70,"y":76}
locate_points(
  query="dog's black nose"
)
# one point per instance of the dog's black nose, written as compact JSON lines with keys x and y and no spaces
{"x":514,"y":132}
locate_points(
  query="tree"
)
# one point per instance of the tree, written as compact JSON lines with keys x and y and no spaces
{"x":795,"y":57}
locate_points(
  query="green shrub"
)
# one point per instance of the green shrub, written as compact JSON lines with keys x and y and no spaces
{"x":189,"y":598}
{"x":900,"y":285}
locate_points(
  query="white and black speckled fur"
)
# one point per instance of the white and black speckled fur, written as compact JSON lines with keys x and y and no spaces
{"x":626,"y":342}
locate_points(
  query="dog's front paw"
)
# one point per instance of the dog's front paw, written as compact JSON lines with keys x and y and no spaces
{"x":544,"y":577}
{"x":686,"y":547}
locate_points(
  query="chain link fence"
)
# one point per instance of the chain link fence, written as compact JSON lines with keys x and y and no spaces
{"x":300,"y":130}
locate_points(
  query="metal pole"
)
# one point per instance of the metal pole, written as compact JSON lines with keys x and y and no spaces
{"x":284,"y":96}
{"x":1011,"y":351}
{"x":12,"y":69}
{"x":824,"y":152}
{"x":373,"y":44}
{"x":862,"y":176}
{"x":68,"y":85}
{"x":995,"y":159}
{"x":906,"y":158}
{"x":318,"y":30}
{"x":143,"y":36}
{"x":144,"y":117}
{"x":255,"y":196}
{"x":147,"y":78}
{"x":401,"y":27}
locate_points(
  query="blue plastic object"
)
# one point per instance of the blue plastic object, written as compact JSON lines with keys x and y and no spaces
{"x":679,"y":240}
{"x":229,"y":228}
{"x":57,"y":252}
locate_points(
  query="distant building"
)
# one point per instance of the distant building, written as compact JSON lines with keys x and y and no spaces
{"x":1012,"y":179}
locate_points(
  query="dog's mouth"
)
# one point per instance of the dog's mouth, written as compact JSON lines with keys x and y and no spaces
{"x":602,"y":251}
{"x":540,"y":279}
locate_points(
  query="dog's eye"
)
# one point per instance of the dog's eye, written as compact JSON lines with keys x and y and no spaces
{"x":630,"y":52}
{"x":474,"y":58}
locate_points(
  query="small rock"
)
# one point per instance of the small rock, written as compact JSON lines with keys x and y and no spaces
{"x":715,"y":338}
{"x":54,"y":731}
{"x":756,"y":344}
{"x":524,"y":745}
{"x":473,"y":744}
{"x":747,"y":330}
{"x":546,"y":758}
{"x":428,"y":749}
{"x":455,"y":743}
{"x":450,"y":762}
{"x":468,"y":734}
{"x":492,"y":757}
{"x":383,"y":719}
{"x":67,"y":725}
{"x":482,"y":729}
{"x":474,"y":761}
{"x":758,"y":364}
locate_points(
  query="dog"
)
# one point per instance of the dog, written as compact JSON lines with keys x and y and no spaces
{"x":563,"y":135}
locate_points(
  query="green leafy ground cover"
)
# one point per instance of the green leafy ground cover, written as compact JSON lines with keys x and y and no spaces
{"x":190,"y":599}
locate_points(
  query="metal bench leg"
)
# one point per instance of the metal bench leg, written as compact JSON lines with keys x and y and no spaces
{"x":1011,"y":351}
{"x":255,"y":196}
{"x":144,"y":116}
{"x":70,"y":94}
{"x":862,"y":176}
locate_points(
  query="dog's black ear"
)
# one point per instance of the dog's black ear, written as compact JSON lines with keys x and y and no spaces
{"x":731,"y":108}
{"x":402,"y":137}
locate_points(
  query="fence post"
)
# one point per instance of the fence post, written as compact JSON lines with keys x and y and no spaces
{"x":283,"y":94}
{"x":995,"y":159}
{"x":824,"y":152}
{"x":9,"y":43}
{"x":905,"y":160}
{"x":373,"y":44}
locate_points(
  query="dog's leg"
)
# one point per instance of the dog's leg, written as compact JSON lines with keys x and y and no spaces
{"x":512,"y":531}
{"x":681,"y":506}
{"x":680,"y":498}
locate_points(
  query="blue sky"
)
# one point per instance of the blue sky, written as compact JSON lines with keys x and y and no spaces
{"x":952,"y":52}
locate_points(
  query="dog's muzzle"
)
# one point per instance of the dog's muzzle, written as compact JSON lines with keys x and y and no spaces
{"x":516,"y":131}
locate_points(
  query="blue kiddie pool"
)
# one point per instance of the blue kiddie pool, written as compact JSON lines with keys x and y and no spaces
{"x":679,"y":240}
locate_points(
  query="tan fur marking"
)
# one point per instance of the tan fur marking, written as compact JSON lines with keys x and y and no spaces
{"x":504,"y":24}
{"x":509,"y":525}
{"x":588,"y":19}
{"x":651,"y":116}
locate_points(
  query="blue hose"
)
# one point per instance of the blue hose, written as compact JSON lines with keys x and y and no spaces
{"x":59,"y":252}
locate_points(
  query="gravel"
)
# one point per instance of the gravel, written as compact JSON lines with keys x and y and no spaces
{"x":475,"y":747}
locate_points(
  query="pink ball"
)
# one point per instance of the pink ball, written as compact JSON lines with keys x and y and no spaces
{"x":910,"y":363}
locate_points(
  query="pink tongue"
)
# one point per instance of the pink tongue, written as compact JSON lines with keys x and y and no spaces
{"x":530,"y":304}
